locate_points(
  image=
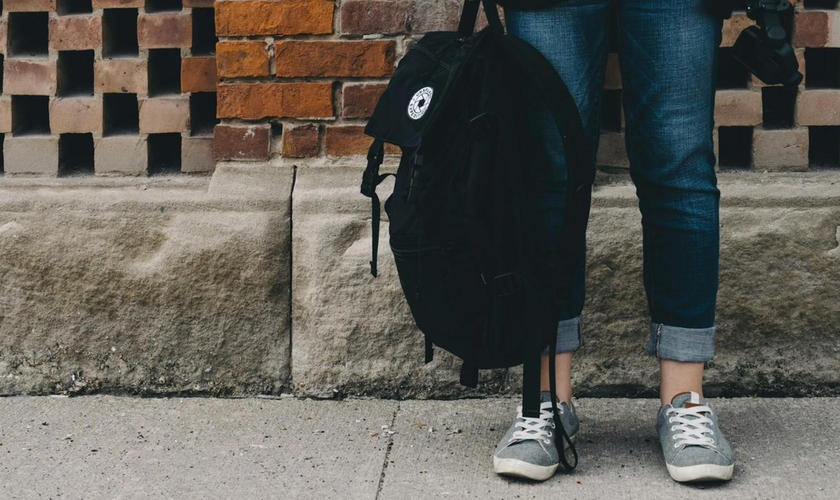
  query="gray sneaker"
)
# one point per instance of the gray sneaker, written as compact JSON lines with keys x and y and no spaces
{"x":528,"y":449}
{"x":693,"y":445}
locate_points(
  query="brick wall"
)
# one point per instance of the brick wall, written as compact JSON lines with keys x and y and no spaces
{"x":129,"y":86}
{"x":298,"y":78}
{"x":107,"y":86}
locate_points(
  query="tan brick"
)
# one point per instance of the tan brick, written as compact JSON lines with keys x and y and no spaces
{"x":612,"y":150}
{"x":29,"y":5}
{"x":197,"y":154}
{"x":350,"y":140}
{"x":780,"y":150}
{"x":198,"y":74}
{"x":242,"y":142}
{"x":334,"y":58}
{"x":612,"y":77}
{"x":166,"y":114}
{"x":75,"y":32}
{"x":819,"y":107}
{"x":121,"y":154}
{"x":255,"y":101}
{"x":242,"y":59}
{"x":155,"y":31}
{"x":5,"y":115}
{"x":738,"y":108}
{"x":121,"y":75}
{"x":301,"y":142}
{"x":31,"y":77}
{"x":111,"y":4}
{"x":36,"y":154}
{"x":733,"y":27}
{"x":4,"y":32}
{"x":360,"y":100}
{"x":72,"y":115}
{"x":288,"y":17}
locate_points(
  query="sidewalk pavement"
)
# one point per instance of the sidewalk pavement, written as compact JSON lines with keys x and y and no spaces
{"x":93,"y":447}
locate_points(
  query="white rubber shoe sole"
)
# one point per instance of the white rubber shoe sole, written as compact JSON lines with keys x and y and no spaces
{"x":518,"y":468}
{"x":703,"y":472}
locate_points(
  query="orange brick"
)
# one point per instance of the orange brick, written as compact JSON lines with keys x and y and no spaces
{"x":350,"y":140}
{"x":242,"y":59}
{"x":284,"y":17}
{"x":155,"y":31}
{"x":198,"y":74}
{"x":301,"y":142}
{"x":341,"y":59}
{"x":360,"y":100}
{"x":255,"y":101}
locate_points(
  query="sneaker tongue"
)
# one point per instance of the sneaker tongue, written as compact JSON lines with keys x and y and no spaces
{"x":545,"y":396}
{"x":686,"y":400}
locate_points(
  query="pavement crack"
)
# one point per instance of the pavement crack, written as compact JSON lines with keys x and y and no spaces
{"x":387,"y":451}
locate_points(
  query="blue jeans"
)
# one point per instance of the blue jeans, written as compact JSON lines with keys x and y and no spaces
{"x":668,"y":60}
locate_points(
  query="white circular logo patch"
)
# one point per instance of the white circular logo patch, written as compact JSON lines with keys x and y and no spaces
{"x":420,"y":103}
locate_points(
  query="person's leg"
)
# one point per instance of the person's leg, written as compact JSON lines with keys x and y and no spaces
{"x":572,"y":37}
{"x":668,"y":57}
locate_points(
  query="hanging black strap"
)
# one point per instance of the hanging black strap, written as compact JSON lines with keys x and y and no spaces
{"x":371,"y":179}
{"x":469,"y":16}
{"x":430,"y":350}
{"x":469,"y":375}
{"x":533,"y":346}
{"x":558,"y":423}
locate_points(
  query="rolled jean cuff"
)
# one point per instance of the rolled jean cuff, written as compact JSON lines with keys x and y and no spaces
{"x":569,"y":336}
{"x":688,"y":345}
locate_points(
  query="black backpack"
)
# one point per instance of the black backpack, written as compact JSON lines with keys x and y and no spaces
{"x":461,"y":107}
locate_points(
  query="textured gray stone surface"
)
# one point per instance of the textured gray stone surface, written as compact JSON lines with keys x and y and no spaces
{"x":779,"y":300}
{"x":777,"y":455}
{"x":105,"y":447}
{"x":153,"y":285}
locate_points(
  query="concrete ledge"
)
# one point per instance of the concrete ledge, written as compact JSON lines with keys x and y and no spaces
{"x":185,"y":285}
{"x":155,"y":285}
{"x":779,"y":300}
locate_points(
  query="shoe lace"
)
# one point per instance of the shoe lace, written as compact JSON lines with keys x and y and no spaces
{"x":694,"y":426}
{"x":535,"y":428}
